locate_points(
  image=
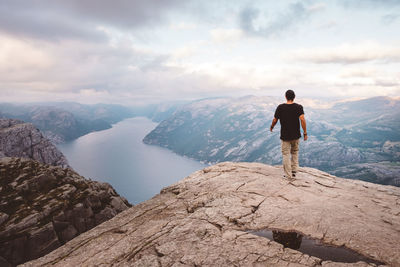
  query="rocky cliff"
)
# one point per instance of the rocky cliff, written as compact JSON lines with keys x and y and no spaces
{"x":43,"y":206}
{"x":209,"y":219}
{"x":19,"y":139}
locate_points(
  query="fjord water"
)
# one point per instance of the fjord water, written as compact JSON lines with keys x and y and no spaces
{"x":118,"y":156}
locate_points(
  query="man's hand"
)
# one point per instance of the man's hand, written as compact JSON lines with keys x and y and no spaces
{"x":304,"y":126}
{"x":274,"y":121}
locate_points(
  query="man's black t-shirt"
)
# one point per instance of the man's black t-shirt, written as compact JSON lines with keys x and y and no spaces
{"x":289,"y":114}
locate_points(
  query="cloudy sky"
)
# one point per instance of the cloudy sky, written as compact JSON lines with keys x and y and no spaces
{"x":132,"y":51}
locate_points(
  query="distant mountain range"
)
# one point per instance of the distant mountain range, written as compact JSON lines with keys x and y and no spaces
{"x":61,"y":122}
{"x":354,"y":139}
{"x":65,"y":121}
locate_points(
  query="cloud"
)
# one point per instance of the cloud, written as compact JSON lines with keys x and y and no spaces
{"x":132,"y":50}
{"x":326,"y":25}
{"x":295,"y":14}
{"x":358,"y":72}
{"x":122,"y":13}
{"x":348,"y":54}
{"x":183,"y":26}
{"x":390,"y":18}
{"x":75,"y":19}
{"x":368,"y":76}
{"x":317,"y":7}
{"x":389,"y":82}
{"x":43,"y":24}
{"x":36,"y":70}
{"x":220,"y":35}
{"x":369,"y":3}
{"x":373,"y":85}
{"x":16,"y":54}
{"x":184,"y":52}
{"x":391,"y":7}
{"x":71,"y":66}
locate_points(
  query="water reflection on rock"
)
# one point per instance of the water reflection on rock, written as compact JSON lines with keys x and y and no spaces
{"x":313,"y":247}
{"x":288,"y":239}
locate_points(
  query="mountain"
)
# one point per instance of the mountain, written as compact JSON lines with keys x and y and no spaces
{"x":158,"y":112}
{"x":384,"y":172}
{"x":217,"y":216}
{"x":110,"y":113}
{"x":61,"y":122}
{"x":20,"y":139}
{"x":366,"y":124}
{"x":42,"y":207}
{"x":237,"y":129}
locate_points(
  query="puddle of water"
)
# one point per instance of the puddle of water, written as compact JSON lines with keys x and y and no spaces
{"x":313,"y":247}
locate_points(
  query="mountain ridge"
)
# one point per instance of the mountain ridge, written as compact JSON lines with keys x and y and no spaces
{"x":65,"y":121}
{"x":237,"y":129}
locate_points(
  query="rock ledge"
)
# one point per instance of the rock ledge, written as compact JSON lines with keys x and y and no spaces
{"x":201,"y":221}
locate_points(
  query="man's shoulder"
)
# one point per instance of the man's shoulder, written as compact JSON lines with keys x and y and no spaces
{"x":299,"y":109}
{"x":298,"y":106}
{"x":283,"y":105}
{"x":279,"y":107}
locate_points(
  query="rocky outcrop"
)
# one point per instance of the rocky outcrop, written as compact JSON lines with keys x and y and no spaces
{"x":207,"y":220}
{"x":43,"y":207}
{"x":19,"y":139}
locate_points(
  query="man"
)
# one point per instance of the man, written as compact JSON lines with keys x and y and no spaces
{"x":289,"y":114}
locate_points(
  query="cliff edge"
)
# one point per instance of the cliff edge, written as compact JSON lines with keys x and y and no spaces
{"x":42,"y":207}
{"x":210,"y":219}
{"x":20,"y":139}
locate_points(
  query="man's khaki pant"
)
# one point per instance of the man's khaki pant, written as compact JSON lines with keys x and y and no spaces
{"x":290,"y":156}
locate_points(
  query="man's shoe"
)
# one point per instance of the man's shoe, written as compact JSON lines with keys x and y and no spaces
{"x":293,"y":174}
{"x":288,"y":178}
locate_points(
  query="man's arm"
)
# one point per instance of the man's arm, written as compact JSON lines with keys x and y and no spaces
{"x":304,"y":126}
{"x":274,"y":121}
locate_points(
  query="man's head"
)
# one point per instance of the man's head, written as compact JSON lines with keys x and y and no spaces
{"x":290,"y":95}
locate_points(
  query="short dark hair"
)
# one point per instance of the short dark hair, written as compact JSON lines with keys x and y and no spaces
{"x":290,"y":95}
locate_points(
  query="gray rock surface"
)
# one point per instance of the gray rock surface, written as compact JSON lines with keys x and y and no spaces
{"x":202,"y":221}
{"x":43,"y":207}
{"x":19,"y":139}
